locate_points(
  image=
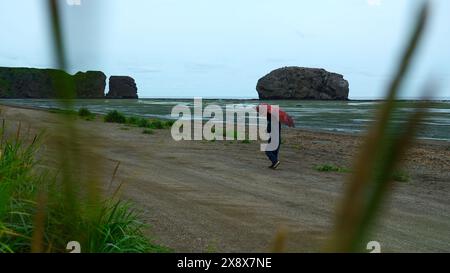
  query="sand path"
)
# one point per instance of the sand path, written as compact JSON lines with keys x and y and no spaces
{"x":220,"y":196}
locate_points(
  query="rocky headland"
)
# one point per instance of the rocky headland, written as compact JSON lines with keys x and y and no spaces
{"x":33,"y":83}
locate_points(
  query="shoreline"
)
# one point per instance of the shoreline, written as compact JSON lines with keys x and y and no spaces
{"x":310,"y":130}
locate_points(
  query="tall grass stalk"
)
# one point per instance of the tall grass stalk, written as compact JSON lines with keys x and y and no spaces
{"x":385,"y":145}
{"x":42,"y":213}
{"x":81,"y":195}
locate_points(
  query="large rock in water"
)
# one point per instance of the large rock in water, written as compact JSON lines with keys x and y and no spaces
{"x":303,"y":83}
{"x":32,"y":83}
{"x":122,"y":87}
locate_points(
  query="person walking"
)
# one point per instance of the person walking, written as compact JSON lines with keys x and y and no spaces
{"x":273,"y":155}
{"x":284,"y":118}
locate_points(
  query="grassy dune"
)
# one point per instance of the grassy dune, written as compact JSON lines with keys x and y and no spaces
{"x":34,"y":211}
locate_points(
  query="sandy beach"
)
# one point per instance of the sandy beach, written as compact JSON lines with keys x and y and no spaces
{"x":200,"y":196}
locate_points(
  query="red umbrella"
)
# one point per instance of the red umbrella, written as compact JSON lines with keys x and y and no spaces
{"x":284,"y":117}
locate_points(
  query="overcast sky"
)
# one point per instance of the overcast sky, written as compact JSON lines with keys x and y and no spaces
{"x":218,"y":48}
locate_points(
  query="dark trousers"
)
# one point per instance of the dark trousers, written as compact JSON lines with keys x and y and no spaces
{"x":273,"y":155}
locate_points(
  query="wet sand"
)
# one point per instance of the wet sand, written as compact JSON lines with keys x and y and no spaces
{"x":201,"y":196}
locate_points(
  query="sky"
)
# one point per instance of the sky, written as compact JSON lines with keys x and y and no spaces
{"x":219,"y":49}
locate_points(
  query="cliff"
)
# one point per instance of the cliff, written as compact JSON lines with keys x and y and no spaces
{"x":32,"y":83}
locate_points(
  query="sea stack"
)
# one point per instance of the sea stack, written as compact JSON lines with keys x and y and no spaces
{"x":90,"y":85}
{"x":300,"y":83}
{"x":122,"y":87}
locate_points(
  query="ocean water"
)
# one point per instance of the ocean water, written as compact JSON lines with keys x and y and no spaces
{"x":337,"y":116}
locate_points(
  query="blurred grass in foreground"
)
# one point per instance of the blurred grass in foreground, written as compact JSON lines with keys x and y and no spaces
{"x":41,"y":212}
{"x":374,"y":169}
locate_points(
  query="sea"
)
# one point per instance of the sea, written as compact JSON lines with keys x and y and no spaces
{"x":352,"y":116}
